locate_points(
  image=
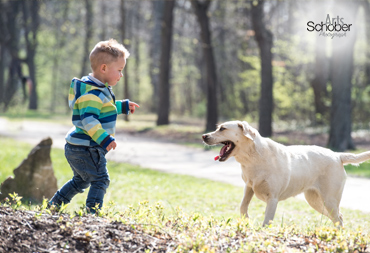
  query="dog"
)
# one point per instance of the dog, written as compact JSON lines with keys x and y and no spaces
{"x":274,"y":172}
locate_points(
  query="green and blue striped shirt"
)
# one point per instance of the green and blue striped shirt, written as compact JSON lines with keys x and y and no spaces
{"x":95,"y":112}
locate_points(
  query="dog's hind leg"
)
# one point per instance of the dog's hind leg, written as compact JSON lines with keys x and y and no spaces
{"x":327,"y":207}
{"x":332,"y":207}
{"x":315,"y":201}
{"x":332,"y":198}
{"x":248,"y":194}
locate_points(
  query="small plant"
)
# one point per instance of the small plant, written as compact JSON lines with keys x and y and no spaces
{"x":15,"y":201}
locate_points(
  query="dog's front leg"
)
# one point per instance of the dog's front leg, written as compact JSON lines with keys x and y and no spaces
{"x":270,"y":210}
{"x":248,"y":194}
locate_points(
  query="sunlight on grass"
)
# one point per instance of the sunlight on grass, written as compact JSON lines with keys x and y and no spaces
{"x":198,"y":214}
{"x":131,"y":184}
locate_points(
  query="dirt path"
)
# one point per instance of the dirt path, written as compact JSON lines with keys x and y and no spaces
{"x":170,"y":158}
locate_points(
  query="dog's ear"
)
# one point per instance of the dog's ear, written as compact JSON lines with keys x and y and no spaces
{"x":247,"y":131}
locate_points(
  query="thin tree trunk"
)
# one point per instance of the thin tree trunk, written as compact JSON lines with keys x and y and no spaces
{"x":103,"y":7}
{"x":264,"y":40}
{"x":3,"y":31}
{"x":31,"y":25}
{"x":123,"y":37}
{"x":2,"y":70}
{"x":136,"y":48}
{"x":88,"y":36}
{"x":155,"y":53}
{"x":341,"y":76}
{"x":163,"y":107}
{"x":200,"y":9}
{"x":60,"y":38}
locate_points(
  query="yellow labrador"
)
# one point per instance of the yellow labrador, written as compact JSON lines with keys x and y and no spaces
{"x":275,"y":172}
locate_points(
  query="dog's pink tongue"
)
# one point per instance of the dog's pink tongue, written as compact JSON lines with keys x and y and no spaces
{"x":223,"y":150}
{"x":217,"y":157}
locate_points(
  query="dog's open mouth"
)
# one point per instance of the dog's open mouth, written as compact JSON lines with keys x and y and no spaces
{"x":225,"y":151}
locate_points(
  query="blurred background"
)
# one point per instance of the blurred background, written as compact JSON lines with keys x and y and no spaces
{"x":209,"y":60}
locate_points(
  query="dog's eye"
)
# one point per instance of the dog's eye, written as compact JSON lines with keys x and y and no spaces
{"x":222,"y":129}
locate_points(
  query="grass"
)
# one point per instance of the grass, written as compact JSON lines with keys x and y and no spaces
{"x":202,"y":215}
{"x":363,"y":170}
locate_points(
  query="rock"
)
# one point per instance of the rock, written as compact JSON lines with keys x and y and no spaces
{"x":34,"y":178}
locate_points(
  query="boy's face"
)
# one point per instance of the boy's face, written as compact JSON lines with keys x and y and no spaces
{"x":112,"y":72}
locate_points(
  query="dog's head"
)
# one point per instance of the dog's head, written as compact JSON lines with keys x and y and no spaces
{"x":232,"y":135}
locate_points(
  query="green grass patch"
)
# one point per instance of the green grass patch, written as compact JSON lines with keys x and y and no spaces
{"x":363,"y":170}
{"x":132,"y":184}
{"x":203,"y":215}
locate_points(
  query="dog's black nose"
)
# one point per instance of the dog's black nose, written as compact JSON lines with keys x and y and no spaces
{"x":205,"y":137}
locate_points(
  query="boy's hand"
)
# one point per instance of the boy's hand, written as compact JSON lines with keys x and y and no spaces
{"x":113,"y":145}
{"x":132,"y":105}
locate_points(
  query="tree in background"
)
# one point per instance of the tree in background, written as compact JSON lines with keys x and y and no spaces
{"x":31,"y":26}
{"x":59,"y":20}
{"x":321,"y":71}
{"x":10,"y":40}
{"x":299,"y":72}
{"x":154,"y":49}
{"x":201,"y":9}
{"x":264,"y":39}
{"x":123,"y":14}
{"x":88,"y":36}
{"x":319,"y":83}
{"x":163,"y":107}
{"x":341,"y":76}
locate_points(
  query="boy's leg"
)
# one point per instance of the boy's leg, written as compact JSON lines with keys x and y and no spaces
{"x":79,"y":159}
{"x":69,"y":190}
{"x":99,"y":179}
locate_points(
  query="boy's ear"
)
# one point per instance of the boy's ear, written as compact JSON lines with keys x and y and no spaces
{"x":103,"y":68}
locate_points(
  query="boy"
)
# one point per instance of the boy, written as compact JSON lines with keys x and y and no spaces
{"x":94,"y":117}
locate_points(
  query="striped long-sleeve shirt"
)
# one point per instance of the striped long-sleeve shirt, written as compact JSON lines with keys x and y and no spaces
{"x":94,"y":112}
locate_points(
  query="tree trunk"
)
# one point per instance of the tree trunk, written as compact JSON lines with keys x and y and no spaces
{"x":103,"y":14}
{"x":31,"y":25}
{"x":264,"y":40}
{"x":163,"y":108}
{"x":2,"y":51}
{"x":89,"y":32}
{"x":366,"y":6}
{"x":2,"y":71}
{"x":200,"y":9}
{"x":136,"y":50}
{"x":154,"y":50}
{"x":60,"y":41}
{"x":11,"y":36}
{"x":341,"y":74}
{"x":123,"y":37}
{"x":320,"y":80}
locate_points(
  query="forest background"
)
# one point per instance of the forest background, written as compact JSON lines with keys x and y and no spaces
{"x":216,"y":60}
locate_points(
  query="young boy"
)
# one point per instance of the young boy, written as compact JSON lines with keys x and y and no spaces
{"x":94,"y":117}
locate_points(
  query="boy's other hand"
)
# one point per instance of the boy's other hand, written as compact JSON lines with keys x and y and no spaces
{"x":113,"y":145}
{"x":132,"y":106}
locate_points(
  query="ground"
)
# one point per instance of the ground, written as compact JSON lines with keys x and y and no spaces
{"x":26,"y":231}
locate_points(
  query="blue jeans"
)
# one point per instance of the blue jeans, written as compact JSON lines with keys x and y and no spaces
{"x":89,"y":168}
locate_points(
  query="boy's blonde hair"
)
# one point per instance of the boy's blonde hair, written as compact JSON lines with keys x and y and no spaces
{"x":106,"y":52}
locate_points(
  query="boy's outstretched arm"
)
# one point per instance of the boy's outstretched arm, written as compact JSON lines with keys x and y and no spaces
{"x":132,"y":106}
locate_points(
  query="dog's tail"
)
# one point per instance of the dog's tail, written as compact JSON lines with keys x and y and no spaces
{"x":355,"y":159}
